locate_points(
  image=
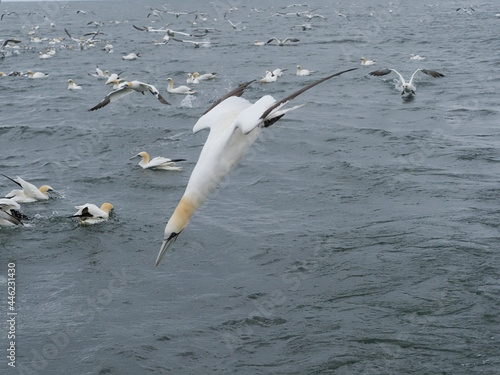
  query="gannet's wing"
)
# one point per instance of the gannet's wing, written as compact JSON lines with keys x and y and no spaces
{"x":111,"y":97}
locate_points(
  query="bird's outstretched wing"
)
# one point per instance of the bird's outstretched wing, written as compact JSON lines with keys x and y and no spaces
{"x":156,"y":93}
{"x":238,"y":91}
{"x":112,"y":96}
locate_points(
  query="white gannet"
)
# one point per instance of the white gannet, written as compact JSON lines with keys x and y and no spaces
{"x":89,"y":213}
{"x":205,"y":76}
{"x":126,"y":88}
{"x":130,"y":56}
{"x":108,"y":47}
{"x":112,"y":78}
{"x":257,"y":43}
{"x":195,"y":43}
{"x":366,"y":62}
{"x":157,"y":162}
{"x":36,"y":75}
{"x":99,"y":73}
{"x":234,"y":125}
{"x":73,"y":86}
{"x":116,"y":83}
{"x":44,"y":56}
{"x":269,"y":77}
{"x":29,"y":193}
{"x":9,"y":214}
{"x":191,"y":79}
{"x":304,"y":72}
{"x":281,"y":42}
{"x":416,"y":57}
{"x":408,"y":87}
{"x":279,"y":72}
{"x":184,"y":90}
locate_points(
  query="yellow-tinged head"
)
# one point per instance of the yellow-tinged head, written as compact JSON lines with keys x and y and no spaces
{"x":107,"y":207}
{"x":176,"y":224}
{"x":30,"y":72}
{"x":45,"y":189}
{"x":196,"y":74}
{"x":144,"y":155}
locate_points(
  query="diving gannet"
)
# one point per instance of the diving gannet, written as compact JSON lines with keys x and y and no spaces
{"x":408,"y":87}
{"x":234,"y":124}
{"x":91,"y":214}
{"x":126,"y":88}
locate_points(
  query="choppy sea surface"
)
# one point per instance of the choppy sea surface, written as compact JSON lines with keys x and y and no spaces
{"x":360,"y":234}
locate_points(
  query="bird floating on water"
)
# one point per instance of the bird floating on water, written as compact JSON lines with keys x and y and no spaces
{"x":269,"y":77}
{"x":73,"y":86}
{"x":408,"y":87}
{"x":158,"y":162}
{"x":126,"y":88}
{"x":366,"y":62}
{"x":29,"y":193}
{"x":89,"y":213}
{"x":184,"y":90}
{"x":36,"y":75}
{"x":416,"y":57}
{"x":303,"y":72}
{"x":205,"y":76}
{"x":131,"y":56}
{"x":99,"y":73}
{"x":234,"y":124}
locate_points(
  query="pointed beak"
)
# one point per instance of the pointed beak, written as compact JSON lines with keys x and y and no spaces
{"x":133,"y":157}
{"x":164,"y":247}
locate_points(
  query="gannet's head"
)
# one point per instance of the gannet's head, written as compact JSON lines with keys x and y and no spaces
{"x":106,"y":73}
{"x":144,"y":156}
{"x":176,"y":224}
{"x":196,"y":74}
{"x":2,"y":74}
{"x":30,"y":72}
{"x":107,"y":207}
{"x":364,"y":59}
{"x":44,"y":189}
{"x":70,"y":81}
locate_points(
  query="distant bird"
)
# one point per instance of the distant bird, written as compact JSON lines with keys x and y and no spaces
{"x":279,"y":72}
{"x":130,"y":56}
{"x":36,"y":75}
{"x":184,"y":90}
{"x":195,"y":43}
{"x":205,"y":76}
{"x":29,"y":193}
{"x":99,"y":73}
{"x":281,"y":42}
{"x":416,"y":57}
{"x":303,"y":72}
{"x":73,"y":86}
{"x":234,"y":25}
{"x":269,"y":77}
{"x":126,"y":88}
{"x":191,"y":79}
{"x":158,"y":162}
{"x":408,"y":87}
{"x":44,"y":56}
{"x":257,"y":43}
{"x":366,"y":62}
{"x":91,"y":214}
{"x":235,"y":125}
{"x":9,"y":214}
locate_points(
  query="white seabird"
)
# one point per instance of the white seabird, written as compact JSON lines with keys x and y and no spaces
{"x":99,"y":73}
{"x":205,"y":76}
{"x":366,"y":62}
{"x":408,"y":87}
{"x":191,"y":79}
{"x":281,"y":42}
{"x":130,"y":56}
{"x":29,"y":193}
{"x":73,"y":86}
{"x":303,"y":72}
{"x":158,"y":162}
{"x":126,"y":88}
{"x":89,"y":213}
{"x":234,"y":125}
{"x":416,"y":57}
{"x":184,"y":90}
{"x":269,"y":77}
{"x":9,"y":215}
{"x":36,"y":75}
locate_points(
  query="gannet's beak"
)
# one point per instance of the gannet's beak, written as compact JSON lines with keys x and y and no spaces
{"x":133,"y":157}
{"x":164,"y":247}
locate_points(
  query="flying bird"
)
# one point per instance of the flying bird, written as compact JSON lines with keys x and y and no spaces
{"x":126,"y":88}
{"x":281,"y":42}
{"x":408,"y":87}
{"x":234,"y":124}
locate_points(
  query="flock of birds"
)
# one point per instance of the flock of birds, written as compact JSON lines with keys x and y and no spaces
{"x":234,"y":123}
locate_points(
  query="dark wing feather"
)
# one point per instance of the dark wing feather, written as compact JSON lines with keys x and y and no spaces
{"x":432,"y":73}
{"x":297,"y":93}
{"x":14,"y":181}
{"x":238,"y":91}
{"x":381,"y":72}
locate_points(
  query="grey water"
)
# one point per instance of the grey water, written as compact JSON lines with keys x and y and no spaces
{"x":360,"y":234}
